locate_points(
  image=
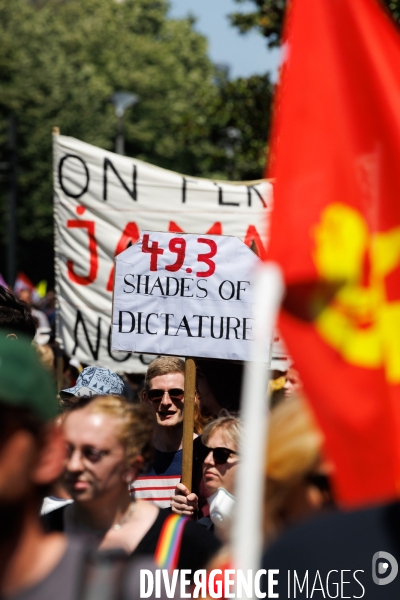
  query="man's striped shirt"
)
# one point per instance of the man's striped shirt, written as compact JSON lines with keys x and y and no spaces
{"x":158,"y":484}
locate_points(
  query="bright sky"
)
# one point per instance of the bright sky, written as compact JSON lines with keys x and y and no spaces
{"x":244,"y":54}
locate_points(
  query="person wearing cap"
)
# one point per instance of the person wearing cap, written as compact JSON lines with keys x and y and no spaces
{"x":94,"y":381}
{"x":35,"y":565}
{"x":31,"y":456}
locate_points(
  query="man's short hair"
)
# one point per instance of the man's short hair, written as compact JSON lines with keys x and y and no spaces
{"x":162,"y":366}
{"x":15,"y":315}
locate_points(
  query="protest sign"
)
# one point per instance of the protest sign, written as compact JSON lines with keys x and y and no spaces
{"x":185,"y":295}
{"x":102,"y":201}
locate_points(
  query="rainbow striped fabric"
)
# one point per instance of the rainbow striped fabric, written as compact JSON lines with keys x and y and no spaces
{"x":169,"y":543}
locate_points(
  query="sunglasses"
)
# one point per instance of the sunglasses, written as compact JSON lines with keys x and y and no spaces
{"x":93,"y":455}
{"x":220,"y":455}
{"x":157,"y":395}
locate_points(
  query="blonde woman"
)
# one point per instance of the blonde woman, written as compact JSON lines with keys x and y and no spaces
{"x":220,"y":457}
{"x":297,"y":474}
{"x":108,"y":443}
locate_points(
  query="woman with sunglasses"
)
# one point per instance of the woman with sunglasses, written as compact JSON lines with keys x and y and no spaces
{"x":108,"y":441}
{"x":220,"y":459}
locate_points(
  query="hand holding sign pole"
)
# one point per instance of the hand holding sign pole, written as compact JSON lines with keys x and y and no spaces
{"x":185,"y":295}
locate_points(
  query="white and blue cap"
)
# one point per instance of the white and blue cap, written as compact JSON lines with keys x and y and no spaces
{"x":95,"y":381}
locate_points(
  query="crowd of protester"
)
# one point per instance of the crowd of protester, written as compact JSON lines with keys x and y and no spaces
{"x":90,"y":477}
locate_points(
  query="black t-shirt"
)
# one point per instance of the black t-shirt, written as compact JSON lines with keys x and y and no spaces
{"x":198,"y":544}
{"x":206,"y":523}
{"x":338,"y":553}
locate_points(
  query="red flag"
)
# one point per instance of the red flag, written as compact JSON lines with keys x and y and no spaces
{"x":336,"y":231}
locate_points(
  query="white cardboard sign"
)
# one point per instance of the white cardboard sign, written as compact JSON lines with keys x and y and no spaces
{"x":184,"y":295}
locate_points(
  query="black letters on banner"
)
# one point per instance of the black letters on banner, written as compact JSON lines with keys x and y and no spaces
{"x":220,"y":197}
{"x":60,"y":176}
{"x":94,"y":351}
{"x":251,"y":187}
{"x":184,"y":186}
{"x":133,"y":193}
{"x":110,"y":354}
{"x":183,"y":190}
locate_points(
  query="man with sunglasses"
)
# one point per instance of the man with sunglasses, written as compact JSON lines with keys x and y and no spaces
{"x":164,"y":397}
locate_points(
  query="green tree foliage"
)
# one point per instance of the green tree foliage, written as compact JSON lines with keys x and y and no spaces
{"x":267,"y":18}
{"x":394,"y":8}
{"x":60,"y":61}
{"x":268,"y":15}
{"x":239,"y":127}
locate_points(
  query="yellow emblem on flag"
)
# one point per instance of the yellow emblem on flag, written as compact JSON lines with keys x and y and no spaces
{"x":362,"y":322}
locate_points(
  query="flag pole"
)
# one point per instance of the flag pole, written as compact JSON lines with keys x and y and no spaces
{"x":247,"y":532}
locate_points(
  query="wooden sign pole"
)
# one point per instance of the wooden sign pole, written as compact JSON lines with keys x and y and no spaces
{"x":188,"y":422}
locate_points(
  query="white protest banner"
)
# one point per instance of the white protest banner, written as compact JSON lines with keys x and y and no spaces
{"x":186,"y":295}
{"x":102,"y":201}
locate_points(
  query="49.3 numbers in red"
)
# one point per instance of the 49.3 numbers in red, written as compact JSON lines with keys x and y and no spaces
{"x":177,"y":246}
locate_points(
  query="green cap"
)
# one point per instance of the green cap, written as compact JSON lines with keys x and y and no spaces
{"x":23,"y":380}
